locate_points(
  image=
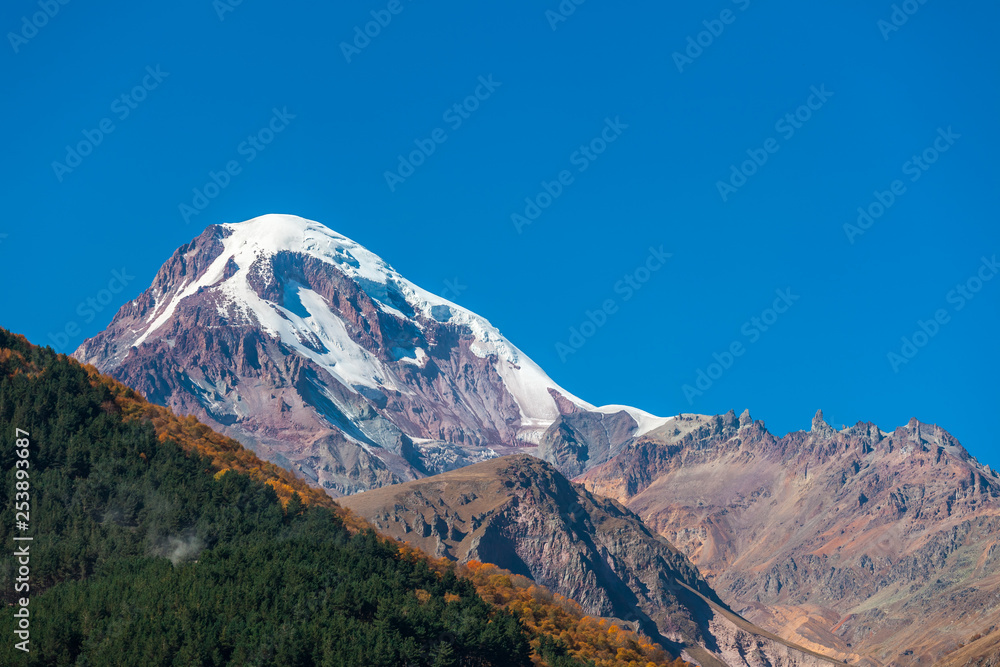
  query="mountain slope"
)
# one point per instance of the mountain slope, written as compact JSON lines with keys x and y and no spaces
{"x":141,"y":556}
{"x":879,"y":546}
{"x":979,"y":652}
{"x":317,"y":354}
{"x":148,"y":551}
{"x":521,"y":514}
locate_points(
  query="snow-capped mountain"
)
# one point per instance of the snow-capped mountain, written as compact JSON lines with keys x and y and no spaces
{"x":313,"y":350}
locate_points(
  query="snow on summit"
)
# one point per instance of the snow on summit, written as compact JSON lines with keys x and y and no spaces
{"x":270,"y":234}
{"x":247,"y":242}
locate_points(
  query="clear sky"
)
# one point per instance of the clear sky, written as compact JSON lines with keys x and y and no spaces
{"x":623,"y":132}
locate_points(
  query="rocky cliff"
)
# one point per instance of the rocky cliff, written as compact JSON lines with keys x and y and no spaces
{"x":881,"y":547}
{"x":521,"y":514}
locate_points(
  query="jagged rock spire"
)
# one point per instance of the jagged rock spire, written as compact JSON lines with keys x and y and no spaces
{"x":819,"y":425}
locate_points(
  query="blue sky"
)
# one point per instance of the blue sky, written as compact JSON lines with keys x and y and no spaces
{"x":641,"y":136}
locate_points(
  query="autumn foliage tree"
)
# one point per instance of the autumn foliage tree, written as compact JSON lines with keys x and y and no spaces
{"x":558,"y":626}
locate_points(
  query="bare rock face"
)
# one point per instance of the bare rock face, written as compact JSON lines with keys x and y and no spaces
{"x":518,"y":512}
{"x":311,"y":350}
{"x":878,"y":547}
{"x":581,"y":440}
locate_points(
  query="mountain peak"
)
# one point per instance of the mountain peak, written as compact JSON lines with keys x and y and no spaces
{"x":819,"y":425}
{"x":278,"y":328}
{"x":274,"y":233}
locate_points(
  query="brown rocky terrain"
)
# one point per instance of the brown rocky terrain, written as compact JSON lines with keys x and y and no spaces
{"x":518,"y":512}
{"x":883,"y":548}
{"x":980,"y":651}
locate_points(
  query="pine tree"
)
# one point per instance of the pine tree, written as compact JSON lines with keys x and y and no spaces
{"x":444,"y":656}
{"x":294,"y":508}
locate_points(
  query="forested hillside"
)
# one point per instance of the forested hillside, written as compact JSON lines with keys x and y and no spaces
{"x":158,"y":542}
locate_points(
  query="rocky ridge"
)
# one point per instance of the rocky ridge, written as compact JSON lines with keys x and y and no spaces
{"x":869,"y":544}
{"x":520,"y":513}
